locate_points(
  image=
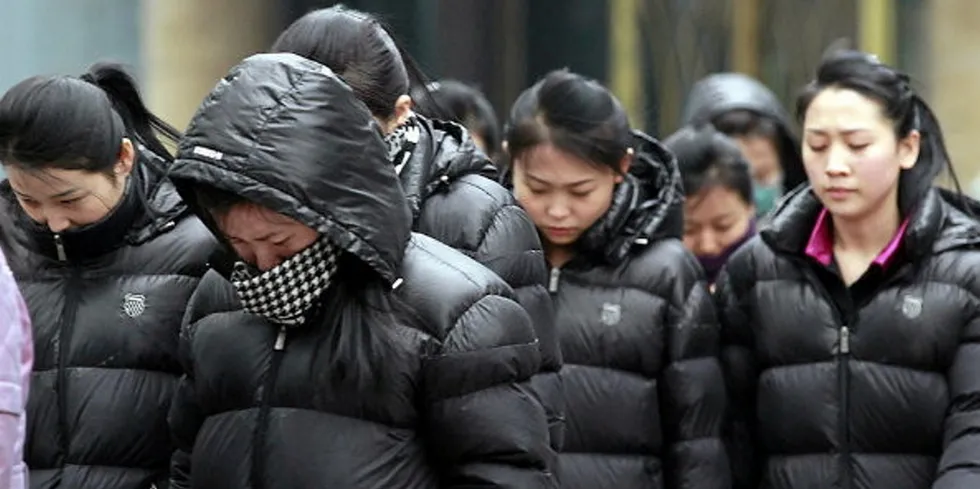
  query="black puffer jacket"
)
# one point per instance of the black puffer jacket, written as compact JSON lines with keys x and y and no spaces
{"x":454,"y":412}
{"x":723,"y":92}
{"x":644,"y":389}
{"x":454,"y":197}
{"x":873,"y":389}
{"x":106,"y":320}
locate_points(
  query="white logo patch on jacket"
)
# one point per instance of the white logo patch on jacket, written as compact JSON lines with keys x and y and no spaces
{"x":134,"y":305}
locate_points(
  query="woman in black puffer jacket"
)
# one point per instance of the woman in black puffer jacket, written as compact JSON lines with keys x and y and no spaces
{"x":451,"y":185}
{"x":106,"y":256}
{"x":643,"y":386}
{"x":339,"y":349}
{"x":851,"y":324}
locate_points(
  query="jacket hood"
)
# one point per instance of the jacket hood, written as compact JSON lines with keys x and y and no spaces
{"x":286,"y":133}
{"x":724,"y":92}
{"x":149,"y":207}
{"x":647,"y":205}
{"x":941,"y":221}
{"x":445,"y":152}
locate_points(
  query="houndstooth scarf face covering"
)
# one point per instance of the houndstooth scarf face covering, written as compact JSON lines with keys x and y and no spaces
{"x":402,"y":141}
{"x":284,"y":294}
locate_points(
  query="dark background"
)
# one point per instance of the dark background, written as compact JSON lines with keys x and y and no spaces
{"x":503,"y":46}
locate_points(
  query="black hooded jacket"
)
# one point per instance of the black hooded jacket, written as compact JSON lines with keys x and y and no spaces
{"x":644,"y":389}
{"x":106,"y":309}
{"x":723,"y":92}
{"x":453,"y":409}
{"x":872,"y":386}
{"x":454,"y":197}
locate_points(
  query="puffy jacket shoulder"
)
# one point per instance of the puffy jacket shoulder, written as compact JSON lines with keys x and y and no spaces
{"x":660,"y":268}
{"x":214,"y":294}
{"x":960,"y":267}
{"x":446,"y":288}
{"x":183,"y":250}
{"x":483,"y":220}
{"x":752,"y":261}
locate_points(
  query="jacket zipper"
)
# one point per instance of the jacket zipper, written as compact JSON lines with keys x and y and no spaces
{"x":258,"y":442}
{"x":59,"y":245}
{"x":554,"y":279}
{"x":65,"y":330}
{"x":843,"y":379}
{"x":842,"y":353}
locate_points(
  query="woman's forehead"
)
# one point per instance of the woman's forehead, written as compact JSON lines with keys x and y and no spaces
{"x":49,"y":182}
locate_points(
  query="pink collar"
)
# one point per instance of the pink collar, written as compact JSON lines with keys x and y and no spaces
{"x":820,"y":246}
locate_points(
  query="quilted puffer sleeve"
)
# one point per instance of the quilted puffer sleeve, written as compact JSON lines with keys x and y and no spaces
{"x":959,"y":467}
{"x":694,"y":401}
{"x":481,"y":218}
{"x":186,"y":416}
{"x":485,"y":427}
{"x":511,"y":248}
{"x":741,"y":374}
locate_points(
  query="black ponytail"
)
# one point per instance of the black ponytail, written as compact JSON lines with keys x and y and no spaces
{"x":77,"y":123}
{"x":122,"y":90}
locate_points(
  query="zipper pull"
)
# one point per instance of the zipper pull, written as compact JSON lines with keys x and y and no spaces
{"x":845,"y":340}
{"x":280,"y":339}
{"x":60,"y":246}
{"x":553,"y":281}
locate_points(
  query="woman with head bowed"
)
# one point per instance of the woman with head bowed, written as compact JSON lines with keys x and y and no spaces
{"x":719,"y":213}
{"x":643,"y":385}
{"x":332,"y":347}
{"x":744,"y":109}
{"x":106,"y":256}
{"x":463,"y":104}
{"x":851,"y":322}
{"x":450,"y":184}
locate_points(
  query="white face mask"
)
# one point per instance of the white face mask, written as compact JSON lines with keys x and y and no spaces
{"x":286,"y":293}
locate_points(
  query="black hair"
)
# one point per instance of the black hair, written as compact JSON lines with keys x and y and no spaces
{"x":900,"y":104}
{"x":360,"y":49}
{"x":708,"y":158}
{"x":77,"y":123}
{"x":742,"y":122}
{"x":456,"y":101}
{"x":356,"y":349}
{"x":576,"y":114}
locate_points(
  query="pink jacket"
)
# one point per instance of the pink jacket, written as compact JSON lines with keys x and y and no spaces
{"x":16,"y":357}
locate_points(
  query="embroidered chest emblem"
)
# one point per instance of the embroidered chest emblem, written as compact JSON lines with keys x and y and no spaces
{"x":911,"y":306}
{"x":611,"y":314}
{"x":134,"y":305}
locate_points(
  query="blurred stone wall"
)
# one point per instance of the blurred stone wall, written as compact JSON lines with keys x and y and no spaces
{"x":954,"y":72}
{"x":188,"y":45}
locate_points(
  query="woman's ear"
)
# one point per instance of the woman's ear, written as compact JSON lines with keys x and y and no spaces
{"x":403,"y":109}
{"x":908,"y":150}
{"x":126,"y":160}
{"x":624,"y":164}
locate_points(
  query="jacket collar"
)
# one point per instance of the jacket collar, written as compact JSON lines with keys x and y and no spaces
{"x":443,"y":153}
{"x":940,"y":222}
